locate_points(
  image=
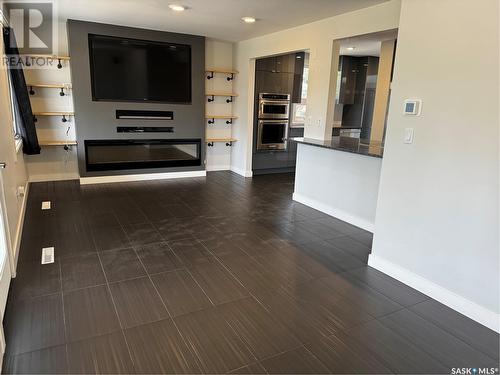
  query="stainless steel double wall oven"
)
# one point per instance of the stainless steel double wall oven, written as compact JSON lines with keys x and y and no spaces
{"x":274,"y":113}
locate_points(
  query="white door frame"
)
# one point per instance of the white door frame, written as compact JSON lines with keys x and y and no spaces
{"x":8,"y":239}
{"x":7,"y":266}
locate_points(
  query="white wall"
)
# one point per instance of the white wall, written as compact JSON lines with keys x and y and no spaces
{"x":317,"y":37}
{"x":53,"y":163}
{"x":219,"y":54}
{"x":437,"y":223}
{"x":14,"y":175}
{"x":338,"y":183}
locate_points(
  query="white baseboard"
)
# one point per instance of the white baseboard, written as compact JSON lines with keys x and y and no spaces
{"x":339,"y":214}
{"x":19,"y":229}
{"x":140,"y":177}
{"x":454,"y":301}
{"x":215,"y":168}
{"x":241,"y":172}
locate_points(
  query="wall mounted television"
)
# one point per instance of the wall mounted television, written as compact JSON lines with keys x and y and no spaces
{"x":132,"y":70}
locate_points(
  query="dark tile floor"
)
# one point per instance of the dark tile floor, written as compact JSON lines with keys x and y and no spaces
{"x":216,"y":275}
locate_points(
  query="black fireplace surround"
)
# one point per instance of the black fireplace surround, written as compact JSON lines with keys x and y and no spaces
{"x":109,"y":155}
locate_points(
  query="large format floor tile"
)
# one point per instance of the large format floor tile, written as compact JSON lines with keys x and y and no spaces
{"x":158,"y":348}
{"x":37,"y":280}
{"x":263,"y":334}
{"x":121,"y":265}
{"x":107,"y":354}
{"x":180,"y":292}
{"x":33,"y":324}
{"x":89,"y":312}
{"x":51,"y":360}
{"x":216,"y":275}
{"x":217,"y":346}
{"x":137,"y":302}
{"x":298,"y":361}
{"x":81,"y":271}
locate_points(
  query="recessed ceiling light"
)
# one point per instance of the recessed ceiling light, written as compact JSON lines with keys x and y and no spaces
{"x":176,"y":7}
{"x":351,"y":48}
{"x":248,"y":19}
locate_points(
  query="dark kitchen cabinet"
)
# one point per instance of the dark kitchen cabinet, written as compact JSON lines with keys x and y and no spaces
{"x":276,"y":64}
{"x":352,"y":113}
{"x":274,"y":82}
{"x":298,"y":77}
{"x":266,"y":160}
{"x":285,"y":63}
{"x":266,"y":65}
{"x":348,"y":69}
{"x":292,"y":146}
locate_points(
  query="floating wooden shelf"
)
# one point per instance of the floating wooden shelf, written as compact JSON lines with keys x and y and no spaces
{"x":221,"y":70}
{"x":229,"y":141}
{"x":57,"y":143}
{"x":219,"y":93}
{"x":50,"y":85}
{"x":53,"y":57}
{"x":221,"y":116}
{"x":60,"y":86}
{"x":53,"y":113}
{"x":229,"y":72}
{"x":62,"y":114}
{"x":220,"y":140}
{"x":228,"y":95}
{"x":229,"y":119}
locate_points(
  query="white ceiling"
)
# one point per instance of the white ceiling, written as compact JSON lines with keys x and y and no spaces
{"x":220,"y":19}
{"x":366,"y":45}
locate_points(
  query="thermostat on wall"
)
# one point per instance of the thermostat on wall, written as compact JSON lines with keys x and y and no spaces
{"x":412,"y":107}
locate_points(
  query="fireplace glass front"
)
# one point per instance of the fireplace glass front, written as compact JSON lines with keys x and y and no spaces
{"x":106,"y":155}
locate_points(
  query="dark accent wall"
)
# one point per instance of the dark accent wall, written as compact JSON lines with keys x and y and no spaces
{"x":97,"y":120}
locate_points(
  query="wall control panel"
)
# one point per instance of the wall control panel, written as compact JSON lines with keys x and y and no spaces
{"x":412,"y":107}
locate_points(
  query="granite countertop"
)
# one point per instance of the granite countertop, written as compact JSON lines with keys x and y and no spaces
{"x":347,"y":144}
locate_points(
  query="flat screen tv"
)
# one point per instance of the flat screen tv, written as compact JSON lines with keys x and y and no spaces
{"x":132,"y":70}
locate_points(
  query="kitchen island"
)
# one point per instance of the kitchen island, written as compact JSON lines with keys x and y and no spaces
{"x":340,"y":177}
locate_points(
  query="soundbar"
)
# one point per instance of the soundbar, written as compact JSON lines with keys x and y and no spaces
{"x":145,"y":129}
{"x":125,"y":114}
